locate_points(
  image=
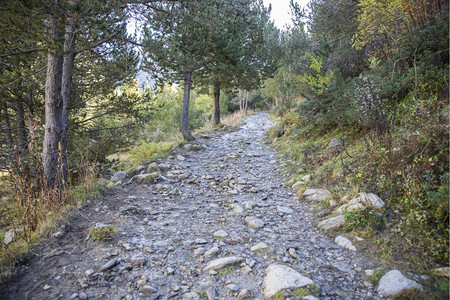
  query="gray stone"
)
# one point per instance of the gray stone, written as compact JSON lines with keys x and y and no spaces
{"x":181,"y":157}
{"x":213,"y":251}
{"x":292,"y":253}
{"x":393,"y":283}
{"x":244,"y":294}
{"x":298,"y":183}
{"x":280,"y":277}
{"x":349,"y":208}
{"x":259,"y":246}
{"x":191,"y":296}
{"x":220,"y":233}
{"x":199,"y":251}
{"x":222,"y":263}
{"x":119,"y":176}
{"x":110,"y":264}
{"x":332,"y":223}
{"x":211,"y":293}
{"x":306,"y":178}
{"x":285,"y":210}
{"x":334,"y":143}
{"x":316,"y":194}
{"x":368,"y":200}
{"x":47,"y":287}
{"x":309,"y":297}
{"x":83,"y":296}
{"x":345,"y":243}
{"x":254,"y":223}
{"x":139,"y":168}
{"x":10,"y":235}
{"x":233,"y":287}
{"x":200,"y":241}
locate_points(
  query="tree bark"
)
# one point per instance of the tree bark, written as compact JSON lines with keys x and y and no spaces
{"x":9,"y":137}
{"x":22,"y":142}
{"x":53,"y":112}
{"x":185,"y":110}
{"x":216,"y":104}
{"x":67,"y":75}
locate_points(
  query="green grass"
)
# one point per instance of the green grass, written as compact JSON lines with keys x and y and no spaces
{"x":104,"y":233}
{"x":226,"y":270}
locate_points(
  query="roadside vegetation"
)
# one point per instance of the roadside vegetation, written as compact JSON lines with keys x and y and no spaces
{"x":378,"y":84}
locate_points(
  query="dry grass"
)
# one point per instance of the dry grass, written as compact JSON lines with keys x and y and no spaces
{"x":235,"y":118}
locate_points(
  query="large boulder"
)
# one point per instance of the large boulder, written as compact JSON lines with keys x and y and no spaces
{"x":317,"y":194}
{"x":393,"y":283}
{"x":360,"y":203}
{"x":368,"y":200}
{"x":332,"y":223}
{"x":280,"y":277}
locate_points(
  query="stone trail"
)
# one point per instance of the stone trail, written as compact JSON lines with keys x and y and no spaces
{"x":213,"y":226}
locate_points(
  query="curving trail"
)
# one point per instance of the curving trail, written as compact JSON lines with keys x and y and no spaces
{"x":169,"y":231}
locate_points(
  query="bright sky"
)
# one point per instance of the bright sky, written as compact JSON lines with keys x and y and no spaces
{"x":281,"y":12}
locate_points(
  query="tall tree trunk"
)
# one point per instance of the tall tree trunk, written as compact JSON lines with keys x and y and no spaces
{"x":8,"y":133}
{"x":216,"y":104}
{"x":67,"y":75}
{"x":21,"y":127}
{"x":185,"y":110}
{"x":53,"y":112}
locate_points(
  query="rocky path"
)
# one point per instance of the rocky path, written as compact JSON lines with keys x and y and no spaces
{"x":219,"y":224}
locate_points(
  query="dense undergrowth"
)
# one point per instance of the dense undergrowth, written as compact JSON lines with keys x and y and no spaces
{"x":409,"y":171}
{"x":377,"y":81}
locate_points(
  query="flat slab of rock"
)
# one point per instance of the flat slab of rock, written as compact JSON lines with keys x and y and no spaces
{"x":345,"y":243}
{"x":316,"y":194}
{"x":280,"y":277}
{"x":332,"y":223}
{"x":254,"y":222}
{"x":393,"y":283}
{"x":222,"y":263}
{"x":285,"y":210}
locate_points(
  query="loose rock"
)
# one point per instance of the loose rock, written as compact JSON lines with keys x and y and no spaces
{"x":393,"y":283}
{"x":332,"y":223}
{"x":222,"y":263}
{"x":317,"y":194}
{"x":280,"y":277}
{"x":345,"y":243}
{"x":119,"y":176}
{"x":254,"y":223}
